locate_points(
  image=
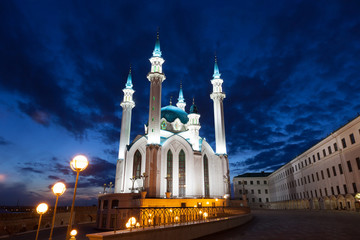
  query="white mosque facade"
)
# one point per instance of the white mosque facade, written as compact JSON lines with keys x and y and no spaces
{"x":172,"y":156}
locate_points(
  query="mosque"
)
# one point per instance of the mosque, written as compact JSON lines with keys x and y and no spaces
{"x":171,"y":158}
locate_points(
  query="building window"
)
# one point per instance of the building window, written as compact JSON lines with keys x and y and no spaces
{"x":309,"y":179}
{"x":206,"y":176}
{"x":182,"y":173}
{"x":114,"y":204}
{"x":309,"y":160}
{"x":349,"y":166}
{"x":266,"y":191}
{"x":358,"y":163}
{"x":305,"y":162}
{"x":105,"y":204}
{"x":169,"y":182}
{"x":352,"y":138}
{"x":265,"y":182}
{"x":253,"y":199}
{"x":259,"y":199}
{"x":335,"y":147}
{"x":305,"y":180}
{"x":354,"y":187}
{"x":318,"y":155}
{"x":259,"y":191}
{"x":239,"y":182}
{"x":314,"y":160}
{"x":258,"y":182}
{"x":334,"y":170}
{"x":252,"y":191}
{"x":267,"y":199}
{"x":251,"y":182}
{"x":317,"y":176}
{"x":326,"y":193}
{"x":245,"y":182}
{"x":137,"y":165}
{"x":328,"y":172}
{"x":343,"y":141}
{"x":324,"y":152}
{"x":345,"y":189}
{"x":340,"y":169}
{"x":329,"y":149}
{"x":313,"y":179}
{"x":322,"y":174}
{"x":240,"y":191}
{"x":332,"y":191}
{"x":338,"y":189}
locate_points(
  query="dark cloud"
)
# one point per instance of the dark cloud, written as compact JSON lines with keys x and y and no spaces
{"x":31,"y":169}
{"x":4,"y":142}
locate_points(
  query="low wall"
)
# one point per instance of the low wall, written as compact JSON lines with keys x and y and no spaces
{"x":176,"y":232}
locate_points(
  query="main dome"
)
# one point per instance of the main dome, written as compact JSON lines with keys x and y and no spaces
{"x":170,"y":113}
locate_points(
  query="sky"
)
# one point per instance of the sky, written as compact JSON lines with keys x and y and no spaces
{"x":290,"y":70}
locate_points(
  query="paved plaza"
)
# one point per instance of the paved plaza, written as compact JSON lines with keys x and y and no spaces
{"x":267,"y":224}
{"x":295,"y":224}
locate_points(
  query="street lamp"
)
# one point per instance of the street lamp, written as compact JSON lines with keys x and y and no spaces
{"x":77,"y":164}
{"x":73,"y":233}
{"x":40,"y":209}
{"x":58,"y":189}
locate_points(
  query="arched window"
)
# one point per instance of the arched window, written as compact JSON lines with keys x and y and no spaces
{"x":137,"y":164}
{"x":206,"y":176}
{"x":169,"y":173}
{"x":182,"y":175}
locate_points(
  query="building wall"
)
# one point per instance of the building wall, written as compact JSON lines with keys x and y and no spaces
{"x":256,"y":190}
{"x":325,"y":176}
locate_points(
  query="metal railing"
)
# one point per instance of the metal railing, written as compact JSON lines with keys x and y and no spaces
{"x":162,"y":216}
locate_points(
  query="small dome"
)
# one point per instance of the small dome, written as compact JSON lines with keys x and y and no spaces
{"x":193,"y":109}
{"x":170,"y":113}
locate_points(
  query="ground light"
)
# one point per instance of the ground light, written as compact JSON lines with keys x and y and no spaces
{"x":40,"y":209}
{"x":78,"y":163}
{"x":58,"y":189}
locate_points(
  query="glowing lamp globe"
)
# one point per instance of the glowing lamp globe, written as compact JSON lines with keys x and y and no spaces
{"x":73,"y":233}
{"x":59,"y":188}
{"x":42,"y":208}
{"x":79,"y":163}
{"x":132,"y":221}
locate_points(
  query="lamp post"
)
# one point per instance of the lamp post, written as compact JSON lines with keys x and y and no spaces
{"x":58,"y":189}
{"x":77,"y":164}
{"x":40,"y":209}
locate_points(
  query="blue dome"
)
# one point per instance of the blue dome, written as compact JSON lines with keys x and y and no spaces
{"x":170,"y":113}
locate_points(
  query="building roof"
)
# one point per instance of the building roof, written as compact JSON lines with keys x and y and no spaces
{"x":261,"y":174}
{"x":170,"y":113}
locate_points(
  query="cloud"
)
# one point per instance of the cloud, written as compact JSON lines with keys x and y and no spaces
{"x":31,"y":169}
{"x":4,"y":142}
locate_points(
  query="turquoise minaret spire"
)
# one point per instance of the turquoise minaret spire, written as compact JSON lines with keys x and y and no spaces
{"x":216,"y":70}
{"x":129,"y":80}
{"x":157,"y":51}
{"x":181,"y":100}
{"x":181,"y":95}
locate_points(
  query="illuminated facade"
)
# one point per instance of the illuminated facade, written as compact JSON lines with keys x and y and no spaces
{"x":254,"y":188}
{"x":172,"y":156}
{"x":326,"y":176}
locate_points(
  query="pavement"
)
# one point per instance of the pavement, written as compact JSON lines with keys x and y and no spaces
{"x":295,"y":224}
{"x":267,"y":224}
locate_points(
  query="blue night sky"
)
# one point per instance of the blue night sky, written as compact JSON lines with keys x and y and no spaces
{"x":290,"y":68}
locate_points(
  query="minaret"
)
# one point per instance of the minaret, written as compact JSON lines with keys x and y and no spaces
{"x":194,"y":127}
{"x":217,"y":96}
{"x":156,"y":77}
{"x":181,"y":100}
{"x":127,"y":104}
{"x":153,"y":148}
